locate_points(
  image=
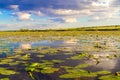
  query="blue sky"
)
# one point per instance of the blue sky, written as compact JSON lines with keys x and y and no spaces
{"x":52,"y":14}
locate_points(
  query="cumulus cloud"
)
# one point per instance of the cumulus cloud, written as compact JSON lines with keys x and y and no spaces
{"x":23,"y":16}
{"x":70,"y":20}
{"x":14,"y":7}
{"x":96,"y":18}
{"x":64,"y":11}
{"x":103,"y":9}
{"x":65,"y":19}
{"x":103,"y":3}
{"x":38,"y":13}
{"x":67,"y":12}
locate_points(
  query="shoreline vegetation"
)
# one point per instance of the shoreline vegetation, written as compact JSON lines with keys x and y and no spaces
{"x":98,"y":28}
{"x":102,"y":30}
{"x":44,"y":34}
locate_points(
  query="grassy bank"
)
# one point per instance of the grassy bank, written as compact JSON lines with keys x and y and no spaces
{"x":58,"y":33}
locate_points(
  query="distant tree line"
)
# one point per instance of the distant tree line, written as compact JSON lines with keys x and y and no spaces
{"x":98,"y":28}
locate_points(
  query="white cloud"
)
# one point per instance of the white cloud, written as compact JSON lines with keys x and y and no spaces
{"x":23,"y":16}
{"x":38,"y":13}
{"x":96,"y":9}
{"x":96,"y":18}
{"x":70,"y":20}
{"x":14,"y":7}
{"x":67,"y":12}
{"x":102,"y":3}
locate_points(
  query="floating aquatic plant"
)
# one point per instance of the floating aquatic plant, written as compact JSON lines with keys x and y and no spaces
{"x":46,"y":67}
{"x":82,"y":66}
{"x":77,"y":72}
{"x":6,"y":61}
{"x":32,"y":67}
{"x":112,"y":56}
{"x":25,"y":57}
{"x":102,"y":72}
{"x":117,"y":73}
{"x":4,"y":79}
{"x":80,"y":56}
{"x":109,"y":77}
{"x":57,"y":61}
{"x":40,"y":55}
{"x":5,"y":71}
{"x":49,"y":70}
{"x":49,"y":51}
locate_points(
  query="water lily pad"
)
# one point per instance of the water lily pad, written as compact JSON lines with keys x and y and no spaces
{"x":117,"y":73}
{"x":6,"y":61}
{"x":57,"y":61}
{"x":49,"y":70}
{"x":40,"y":56}
{"x":102,"y":72}
{"x":82,"y":66}
{"x":77,"y":73}
{"x":5,"y":71}
{"x":80,"y":56}
{"x":4,"y":79}
{"x":109,"y":77}
{"x":25,"y":57}
{"x":49,"y":51}
{"x":46,"y":67}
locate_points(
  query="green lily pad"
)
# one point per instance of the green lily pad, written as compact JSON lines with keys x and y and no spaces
{"x":25,"y":57}
{"x":46,"y":67}
{"x":4,"y":79}
{"x":77,"y":73}
{"x":102,"y":72}
{"x":82,"y":66}
{"x":49,"y":70}
{"x":80,"y":56}
{"x":49,"y":51}
{"x":109,"y":77}
{"x":57,"y":61}
{"x":5,"y":71}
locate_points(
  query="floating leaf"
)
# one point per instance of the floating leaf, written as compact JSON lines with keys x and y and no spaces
{"x":109,"y":77}
{"x":4,"y":79}
{"x":5,"y":71}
